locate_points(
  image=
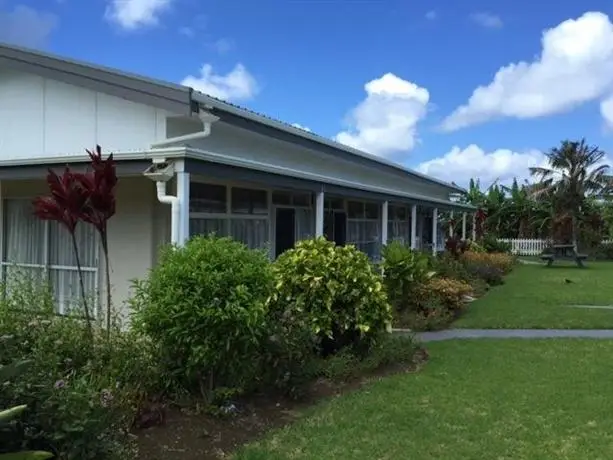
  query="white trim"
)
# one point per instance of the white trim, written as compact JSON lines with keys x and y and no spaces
{"x":414,"y":226}
{"x":434,"y":230}
{"x":183,"y":185}
{"x":384,"y":222}
{"x":319,"y":213}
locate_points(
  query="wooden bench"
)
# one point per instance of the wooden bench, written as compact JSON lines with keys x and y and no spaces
{"x":564,"y":252}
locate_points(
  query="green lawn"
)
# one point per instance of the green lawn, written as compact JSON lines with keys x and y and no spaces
{"x":475,"y":399}
{"x":537,"y":297}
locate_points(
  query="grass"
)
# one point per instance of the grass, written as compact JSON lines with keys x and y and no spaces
{"x":550,"y":399}
{"x":537,"y":297}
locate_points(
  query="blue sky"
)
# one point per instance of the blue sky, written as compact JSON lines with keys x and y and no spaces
{"x":388,"y":76}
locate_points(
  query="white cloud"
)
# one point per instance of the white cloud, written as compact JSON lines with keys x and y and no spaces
{"x":431,"y":15}
{"x":238,"y":84}
{"x":460,"y":165}
{"x":575,"y":66}
{"x":299,"y":126}
{"x":135,"y":14}
{"x":606,"y":110}
{"x":26,"y":26}
{"x":487,"y":20}
{"x":385,"y":122}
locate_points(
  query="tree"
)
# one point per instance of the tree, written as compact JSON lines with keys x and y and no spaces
{"x":575,"y":171}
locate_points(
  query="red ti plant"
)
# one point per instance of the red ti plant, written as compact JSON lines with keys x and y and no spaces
{"x":480,"y":217}
{"x":65,"y":205}
{"x":99,"y":186}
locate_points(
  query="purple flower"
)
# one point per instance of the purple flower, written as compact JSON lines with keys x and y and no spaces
{"x":58,"y":385}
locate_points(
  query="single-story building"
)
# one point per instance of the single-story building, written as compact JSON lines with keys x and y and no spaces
{"x":188,"y":163}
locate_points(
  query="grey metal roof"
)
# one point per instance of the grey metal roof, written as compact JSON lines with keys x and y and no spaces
{"x":173,"y":97}
{"x":212,"y":102}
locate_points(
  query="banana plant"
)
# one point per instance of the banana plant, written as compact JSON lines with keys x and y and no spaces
{"x":8,"y":416}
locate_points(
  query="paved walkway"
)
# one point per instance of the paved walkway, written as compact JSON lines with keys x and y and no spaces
{"x":513,"y":334}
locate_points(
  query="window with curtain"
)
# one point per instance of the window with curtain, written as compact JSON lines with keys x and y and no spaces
{"x":398,"y":224}
{"x":43,"y":251}
{"x":364,"y":227}
{"x":244,"y":216}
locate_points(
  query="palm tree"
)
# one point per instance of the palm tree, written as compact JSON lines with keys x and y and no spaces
{"x":575,"y":171}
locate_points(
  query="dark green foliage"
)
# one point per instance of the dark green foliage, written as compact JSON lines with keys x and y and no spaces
{"x":493,"y":276}
{"x":404,"y":269}
{"x":80,"y":391}
{"x":491,"y":244}
{"x":604,"y":251}
{"x":205,"y":305}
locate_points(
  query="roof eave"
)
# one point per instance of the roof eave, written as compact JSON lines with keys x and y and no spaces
{"x":211,"y":102}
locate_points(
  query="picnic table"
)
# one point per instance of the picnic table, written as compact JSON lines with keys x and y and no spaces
{"x":564,"y":252}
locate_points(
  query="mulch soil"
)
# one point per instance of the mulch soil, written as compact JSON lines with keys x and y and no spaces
{"x":186,"y":435}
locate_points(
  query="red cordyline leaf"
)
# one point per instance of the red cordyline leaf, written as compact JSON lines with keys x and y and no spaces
{"x":66,"y":201}
{"x":99,"y":185}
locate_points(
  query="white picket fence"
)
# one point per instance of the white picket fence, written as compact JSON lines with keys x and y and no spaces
{"x":523,"y":247}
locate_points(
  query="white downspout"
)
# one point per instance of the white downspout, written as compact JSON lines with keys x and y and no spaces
{"x":207,"y":120}
{"x":175,"y":210}
{"x":174,"y":201}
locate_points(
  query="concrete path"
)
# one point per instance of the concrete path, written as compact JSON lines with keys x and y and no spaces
{"x":512,"y":334}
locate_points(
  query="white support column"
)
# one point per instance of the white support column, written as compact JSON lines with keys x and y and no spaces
{"x":474,"y":226}
{"x":319,"y":214}
{"x":434,"y":229}
{"x":384,"y":220}
{"x":414,"y":226}
{"x":451,"y":227}
{"x":183,"y":196}
{"x":463,"y":225}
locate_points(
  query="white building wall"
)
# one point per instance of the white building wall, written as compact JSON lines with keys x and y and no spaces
{"x":136,"y":232}
{"x":44,"y":118}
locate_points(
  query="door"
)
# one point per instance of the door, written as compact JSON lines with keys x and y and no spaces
{"x":340,"y":228}
{"x":285,"y":230}
{"x":335,"y":227}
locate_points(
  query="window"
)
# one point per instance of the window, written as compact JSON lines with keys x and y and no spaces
{"x":334,"y":204}
{"x":245,"y":220}
{"x":43,"y":250}
{"x":296,"y":199}
{"x":246,"y":201}
{"x":398,"y":224}
{"x":364,"y":227}
{"x":207,"y":198}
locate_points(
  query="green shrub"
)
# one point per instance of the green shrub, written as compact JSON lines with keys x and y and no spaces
{"x":205,"y":305}
{"x":404,"y":270}
{"x":335,"y":289}
{"x":81,"y":392}
{"x":387,"y":350}
{"x":9,"y":418}
{"x":473,"y":246}
{"x":491,"y":244}
{"x":604,"y":251}
{"x":447,"y":266}
{"x":446,"y":292}
{"x":290,"y":353}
